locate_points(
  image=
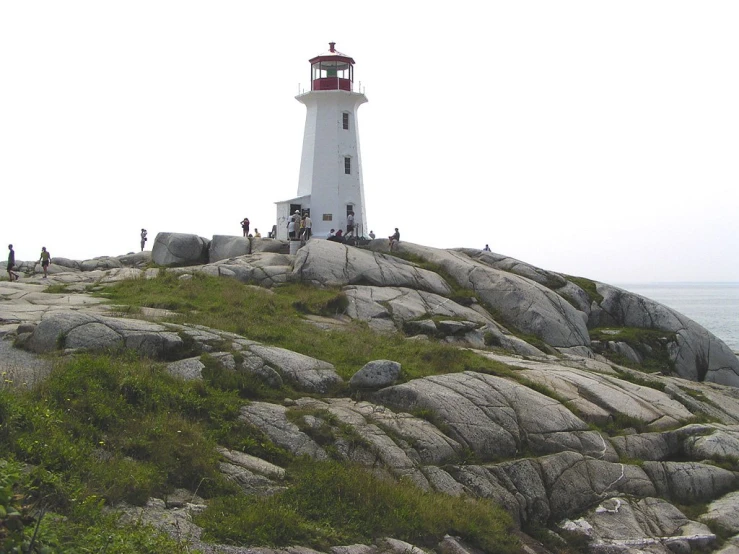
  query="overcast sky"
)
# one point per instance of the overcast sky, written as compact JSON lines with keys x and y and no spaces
{"x":598,"y":139}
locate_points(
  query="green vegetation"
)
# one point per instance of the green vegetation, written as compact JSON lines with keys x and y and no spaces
{"x":104,"y":429}
{"x":278,"y":319}
{"x":650,"y":344}
{"x":460,"y":295}
{"x":59,"y":288}
{"x":641,"y":381}
{"x":330,"y":503}
{"x":588,"y":286}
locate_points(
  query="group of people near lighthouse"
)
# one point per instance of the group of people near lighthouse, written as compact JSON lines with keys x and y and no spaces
{"x":299,"y":226}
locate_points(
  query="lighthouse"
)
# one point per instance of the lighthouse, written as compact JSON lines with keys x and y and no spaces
{"x":330,"y":185}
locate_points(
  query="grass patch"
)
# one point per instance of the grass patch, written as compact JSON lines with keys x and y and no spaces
{"x":330,"y":504}
{"x":101,"y":429}
{"x":641,"y":381}
{"x":57,"y":289}
{"x":460,"y":295}
{"x":277,"y":319}
{"x":650,"y":344}
{"x":588,"y":286}
{"x":621,"y":422}
{"x":122,"y":425}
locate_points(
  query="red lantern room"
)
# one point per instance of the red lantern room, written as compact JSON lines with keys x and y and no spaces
{"x":332,"y":70}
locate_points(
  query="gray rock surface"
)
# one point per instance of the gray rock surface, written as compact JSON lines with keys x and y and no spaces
{"x":265,"y":269}
{"x":697,"y":354}
{"x":223,"y":247}
{"x":73,"y":330}
{"x":306,"y":373}
{"x":327,"y":263}
{"x":496,"y":418}
{"x":650,"y":524}
{"x":268,"y":245}
{"x":525,"y":304}
{"x":724,"y":512}
{"x":376,"y":375}
{"x":179,"y":249}
{"x":539,"y":454}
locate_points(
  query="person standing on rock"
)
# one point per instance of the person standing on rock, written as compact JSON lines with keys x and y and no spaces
{"x":372,"y":235}
{"x":12,"y":275}
{"x":45,"y":260}
{"x":143,"y":238}
{"x":350,"y":224}
{"x":308,"y":226}
{"x":245,"y":226}
{"x":291,"y":228}
{"x":302,"y":227}
{"x":487,"y":248}
{"x":394,"y":238}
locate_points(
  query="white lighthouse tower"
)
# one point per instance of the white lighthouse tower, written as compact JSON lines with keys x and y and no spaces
{"x":330,"y":184}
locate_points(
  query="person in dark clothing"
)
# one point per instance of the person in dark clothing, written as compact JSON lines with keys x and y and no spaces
{"x":394,"y":238}
{"x":338,"y":237}
{"x":45,"y":260}
{"x":245,"y":226}
{"x":12,"y":275}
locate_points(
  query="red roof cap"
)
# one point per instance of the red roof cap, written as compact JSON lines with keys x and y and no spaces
{"x":332,"y":54}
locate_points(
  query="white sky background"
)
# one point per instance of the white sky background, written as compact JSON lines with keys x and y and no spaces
{"x":592,"y":138}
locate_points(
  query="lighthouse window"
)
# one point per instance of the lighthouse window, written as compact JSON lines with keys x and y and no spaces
{"x":347,"y":165}
{"x":345,"y":120}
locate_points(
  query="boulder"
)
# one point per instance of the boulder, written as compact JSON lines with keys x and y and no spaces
{"x":494,"y":417}
{"x":689,"y":482}
{"x":304,"y":372}
{"x":653,"y":525}
{"x":72,"y":330}
{"x":272,"y":420}
{"x":65,"y":262}
{"x":179,"y":249}
{"x":223,"y":247}
{"x":522,"y":302}
{"x":268,"y":245}
{"x":549,"y":488}
{"x":600,"y":398}
{"x":189,"y":369}
{"x":697,"y":353}
{"x":327,"y":263}
{"x":724,"y":512}
{"x":376,"y":375}
{"x":102,"y":262}
{"x":266,"y":269}
{"x":135,"y":259}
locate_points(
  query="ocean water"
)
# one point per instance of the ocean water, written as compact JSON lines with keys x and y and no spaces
{"x":714,"y":305}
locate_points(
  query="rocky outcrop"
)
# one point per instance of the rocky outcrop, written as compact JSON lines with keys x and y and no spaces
{"x":375,"y":375}
{"x":223,"y":247}
{"x":417,"y":312}
{"x":75,"y":330}
{"x":173,"y":249}
{"x":326,"y":263}
{"x":696,"y":353}
{"x":265,"y":269}
{"x":622,"y":524}
{"x":523,"y":303}
{"x":558,"y":438}
{"x":91,"y":332}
